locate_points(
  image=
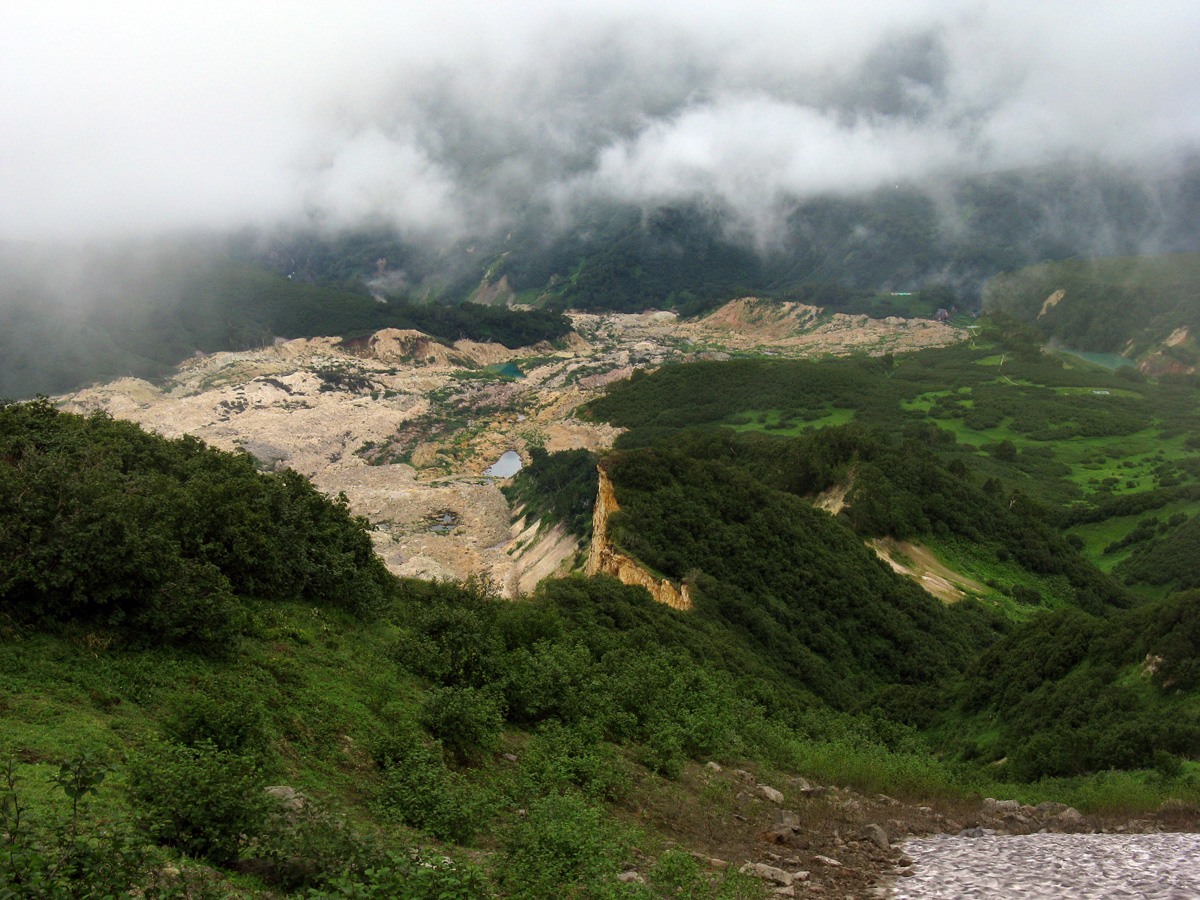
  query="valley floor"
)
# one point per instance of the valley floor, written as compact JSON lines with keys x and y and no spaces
{"x":405,"y":426}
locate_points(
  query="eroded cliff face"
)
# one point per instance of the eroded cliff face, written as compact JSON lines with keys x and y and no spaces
{"x":605,"y":559}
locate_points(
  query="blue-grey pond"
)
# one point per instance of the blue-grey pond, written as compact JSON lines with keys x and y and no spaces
{"x":506,"y":466}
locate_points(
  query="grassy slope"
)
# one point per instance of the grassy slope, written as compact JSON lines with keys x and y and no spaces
{"x":331,"y":687}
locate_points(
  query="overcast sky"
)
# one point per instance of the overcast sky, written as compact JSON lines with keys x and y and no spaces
{"x":444,"y":118}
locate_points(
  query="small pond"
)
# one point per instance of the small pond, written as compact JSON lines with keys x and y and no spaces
{"x":1112,"y":361}
{"x":506,"y":466}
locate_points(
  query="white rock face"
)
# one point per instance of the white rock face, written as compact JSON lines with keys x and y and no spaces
{"x":1052,"y":867}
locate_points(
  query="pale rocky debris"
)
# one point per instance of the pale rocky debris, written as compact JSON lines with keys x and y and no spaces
{"x":877,"y":836}
{"x":1051,"y":867}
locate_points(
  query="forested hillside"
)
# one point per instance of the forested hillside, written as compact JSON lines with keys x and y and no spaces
{"x":73,"y":314}
{"x":107,"y":526}
{"x":835,"y":250}
{"x":994,"y":456}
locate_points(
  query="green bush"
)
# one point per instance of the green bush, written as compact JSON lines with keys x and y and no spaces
{"x":58,"y":855}
{"x":103,"y":523}
{"x":467,"y":721}
{"x":418,"y":790}
{"x":678,"y":874}
{"x":564,"y":847}
{"x":453,"y":641}
{"x":309,"y":848}
{"x":561,"y":756}
{"x":408,"y":877}
{"x":206,"y":801}
{"x":662,"y":750}
{"x":228,"y":717}
{"x":558,"y":681}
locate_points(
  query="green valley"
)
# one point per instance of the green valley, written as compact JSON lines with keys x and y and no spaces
{"x":928,"y":577}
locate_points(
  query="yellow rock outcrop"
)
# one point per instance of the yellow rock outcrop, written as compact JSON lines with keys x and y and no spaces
{"x":605,"y":559}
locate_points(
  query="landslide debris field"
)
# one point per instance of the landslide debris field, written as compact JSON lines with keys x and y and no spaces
{"x":405,"y":425}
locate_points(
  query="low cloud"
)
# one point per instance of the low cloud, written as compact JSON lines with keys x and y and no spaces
{"x":135,"y":117}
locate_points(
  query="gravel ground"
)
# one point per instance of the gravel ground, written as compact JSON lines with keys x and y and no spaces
{"x":1053,"y":867}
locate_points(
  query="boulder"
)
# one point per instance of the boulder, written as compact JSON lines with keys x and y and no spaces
{"x":768,"y":873}
{"x":1069,"y":821}
{"x":784,"y":824}
{"x":769,"y":793}
{"x":994,"y":807}
{"x":877,"y":836}
{"x":289,"y":798}
{"x":1049,"y":808}
{"x":779,"y":834}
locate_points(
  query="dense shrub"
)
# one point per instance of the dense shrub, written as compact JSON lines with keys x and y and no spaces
{"x":407,"y":877}
{"x":227,"y":717}
{"x":565,"y":846}
{"x":205,"y":801}
{"x":104,"y":523}
{"x":552,"y":680}
{"x":418,"y":789}
{"x":560,"y":757}
{"x":467,"y":721}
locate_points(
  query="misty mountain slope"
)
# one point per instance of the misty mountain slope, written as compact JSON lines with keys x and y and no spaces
{"x":144,"y":316}
{"x":1143,"y":307}
{"x":830,"y":248}
{"x":76,"y":314}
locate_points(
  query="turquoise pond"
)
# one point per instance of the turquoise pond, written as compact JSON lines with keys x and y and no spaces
{"x":1108,"y":360}
{"x":507,"y":370}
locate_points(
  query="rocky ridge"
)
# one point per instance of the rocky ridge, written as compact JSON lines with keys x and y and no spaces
{"x":605,"y":559}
